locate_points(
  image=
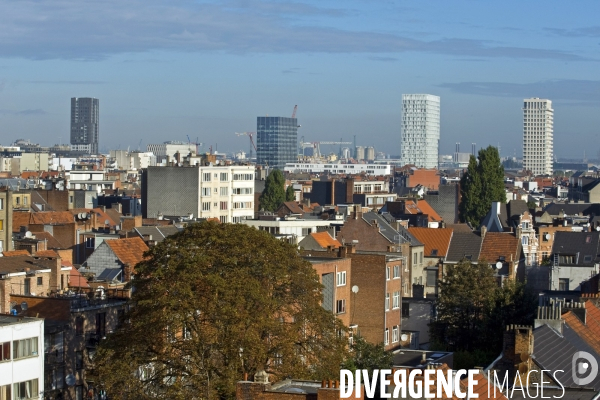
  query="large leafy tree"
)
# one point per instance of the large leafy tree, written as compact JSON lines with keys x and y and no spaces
{"x":289,"y":194}
{"x":480,"y":185}
{"x":472,"y":309}
{"x":213,"y":302}
{"x":369,"y":356}
{"x":274,"y":193}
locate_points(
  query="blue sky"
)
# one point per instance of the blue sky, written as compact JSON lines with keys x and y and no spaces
{"x":167,"y":69}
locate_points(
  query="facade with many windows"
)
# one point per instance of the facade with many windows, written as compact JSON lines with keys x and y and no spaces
{"x":223,"y":192}
{"x":420,"y":135}
{"x":276,"y":141}
{"x":538,"y":136}
{"x":21,"y":360}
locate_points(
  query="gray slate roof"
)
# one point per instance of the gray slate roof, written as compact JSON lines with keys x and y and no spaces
{"x":573,"y":209}
{"x":554,"y":352}
{"x":464,"y":244}
{"x":158,"y":233}
{"x":394,"y":236}
{"x":572,"y":243}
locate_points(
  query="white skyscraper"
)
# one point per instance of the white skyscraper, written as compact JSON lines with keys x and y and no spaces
{"x":538,"y":136}
{"x":420,"y":130}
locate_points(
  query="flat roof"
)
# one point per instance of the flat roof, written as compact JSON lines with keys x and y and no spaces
{"x":13,"y":320}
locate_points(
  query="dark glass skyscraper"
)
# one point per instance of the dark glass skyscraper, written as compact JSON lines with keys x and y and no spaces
{"x":85,"y":124}
{"x":276,"y":141}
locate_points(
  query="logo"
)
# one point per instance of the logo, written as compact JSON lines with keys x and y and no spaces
{"x":584,"y":368}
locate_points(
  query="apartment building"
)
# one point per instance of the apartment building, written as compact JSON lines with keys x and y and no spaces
{"x":538,"y":136}
{"x":223,"y":192}
{"x":21,"y":360}
{"x":6,"y":219}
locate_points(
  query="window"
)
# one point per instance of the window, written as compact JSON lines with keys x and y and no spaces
{"x":70,"y":199}
{"x":431,"y":277}
{"x":396,"y":300}
{"x":386,"y":337}
{"x":405,"y":310}
{"x":434,"y":252}
{"x":341,"y":278}
{"x":1,"y":224}
{"x":5,"y":392}
{"x":18,"y":200}
{"x":421,"y":258}
{"x":340,"y":306}
{"x":25,"y":348}
{"x":55,"y":379}
{"x":205,"y":191}
{"x":24,"y":200}
{"x":306,"y":231}
{"x":224,"y":177}
{"x":396,"y":271}
{"x":40,"y":281}
{"x":79,"y":360}
{"x":525,"y":225}
{"x":216,"y":190}
{"x":1,"y":204}
{"x":223,"y":219}
{"x":224,"y":191}
{"x":101,"y":324}
{"x":387,"y":273}
{"x":563,"y":284}
{"x":89,"y":242}
{"x":79,"y":392}
{"x":242,"y":191}
{"x":206,"y":206}
{"x":405,"y":288}
{"x":387,"y":302}
{"x":223,"y":205}
{"x":4,"y":351}
{"x":525,"y":240}
{"x":206,"y":177}
{"x":79,"y":326}
{"x":395,"y":335}
{"x":26,"y":390}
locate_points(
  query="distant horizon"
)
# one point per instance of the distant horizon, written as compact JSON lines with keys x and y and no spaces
{"x":207,"y":69}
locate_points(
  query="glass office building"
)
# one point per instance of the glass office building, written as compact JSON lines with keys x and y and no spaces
{"x":276,"y":141}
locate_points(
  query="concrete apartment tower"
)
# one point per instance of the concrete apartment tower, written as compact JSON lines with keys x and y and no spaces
{"x":538,"y":136}
{"x":85,"y":124}
{"x":276,"y":141}
{"x":420,"y":130}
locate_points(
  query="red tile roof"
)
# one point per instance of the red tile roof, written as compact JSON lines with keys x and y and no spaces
{"x":498,"y":244}
{"x":324,"y":240}
{"x":15,"y":253}
{"x":77,"y":280}
{"x":51,"y":242}
{"x":433,"y":239}
{"x":585,"y":332}
{"x":20,"y":219}
{"x":421,"y":207}
{"x":46,"y":253}
{"x":128,"y":251}
{"x":51,"y":218}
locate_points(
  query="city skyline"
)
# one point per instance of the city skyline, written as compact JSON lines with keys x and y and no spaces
{"x":208,"y":69}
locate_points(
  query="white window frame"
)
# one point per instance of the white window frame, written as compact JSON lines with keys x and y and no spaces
{"x":341,"y":278}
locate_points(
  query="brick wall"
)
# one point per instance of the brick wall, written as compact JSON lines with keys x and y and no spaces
{"x":340,"y":292}
{"x":53,"y":309}
{"x":369,"y":237}
{"x":58,"y":200}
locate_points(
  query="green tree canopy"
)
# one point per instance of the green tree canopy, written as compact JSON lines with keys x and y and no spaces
{"x":480,"y":185}
{"x":473,"y":310}
{"x":215,"y":301}
{"x":289,"y":194}
{"x":274,"y":193}
{"x":365,"y":355}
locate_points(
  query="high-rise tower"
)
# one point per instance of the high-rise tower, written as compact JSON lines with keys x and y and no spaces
{"x":85,"y":124}
{"x":420,"y":130}
{"x":276,"y":141}
{"x":538,"y":136}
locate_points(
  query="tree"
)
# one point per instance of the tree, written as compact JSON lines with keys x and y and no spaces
{"x":274,"y":193}
{"x":215,"y":301}
{"x":480,"y":185}
{"x":473,"y":310}
{"x":369,"y":356}
{"x":289,"y":194}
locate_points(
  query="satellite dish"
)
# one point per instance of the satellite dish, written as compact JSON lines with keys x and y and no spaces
{"x":28,"y":234}
{"x":80,"y":215}
{"x":70,"y":380}
{"x":106,"y":222}
{"x":598,"y":228}
{"x":24,"y":306}
{"x":404,"y":337}
{"x":547,"y":236}
{"x":498,"y":265}
{"x":354,"y":289}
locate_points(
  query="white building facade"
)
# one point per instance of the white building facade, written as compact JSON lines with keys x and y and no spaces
{"x":538,"y":136}
{"x":345,"y":169}
{"x":168,"y":149}
{"x":21,"y":357}
{"x":223,"y":192}
{"x":420,"y":136}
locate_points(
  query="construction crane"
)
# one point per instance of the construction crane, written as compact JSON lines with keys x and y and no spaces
{"x":196,"y":143}
{"x":317,"y":146}
{"x":294,"y":113}
{"x":251,"y":136}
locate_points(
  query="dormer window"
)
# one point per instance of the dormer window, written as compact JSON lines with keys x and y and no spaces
{"x":434,"y":252}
